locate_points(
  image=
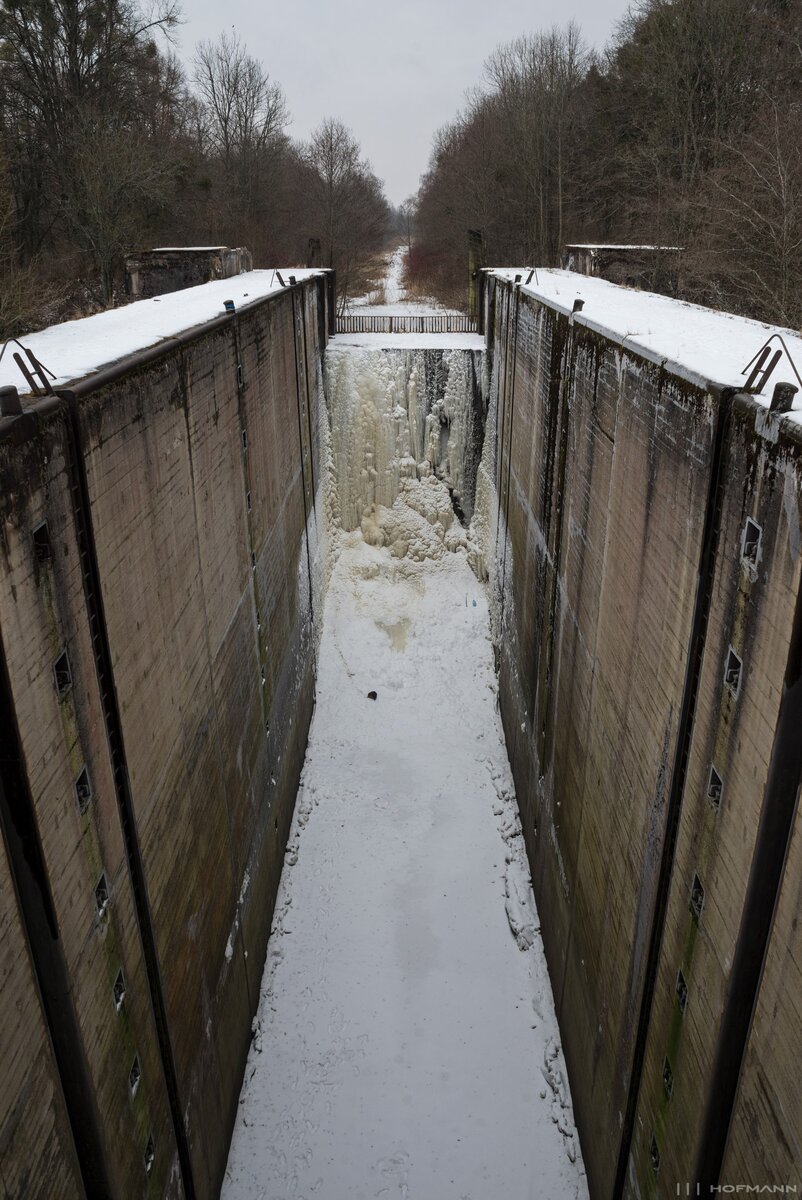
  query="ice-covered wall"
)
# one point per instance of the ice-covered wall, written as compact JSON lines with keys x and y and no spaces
{"x":642,"y":536}
{"x":399,"y":416}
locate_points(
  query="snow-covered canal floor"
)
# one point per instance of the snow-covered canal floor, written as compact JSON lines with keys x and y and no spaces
{"x":406,"y":1044}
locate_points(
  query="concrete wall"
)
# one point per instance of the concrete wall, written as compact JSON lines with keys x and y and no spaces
{"x":36,"y":1152}
{"x":623,"y":490}
{"x":179,"y":571}
{"x":655,"y":268}
{"x":752,"y":611}
{"x":177,"y":492}
{"x":157,"y":272}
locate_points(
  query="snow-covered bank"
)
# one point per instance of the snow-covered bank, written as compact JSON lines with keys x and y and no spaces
{"x":406,"y":1043}
{"x":393,"y":297}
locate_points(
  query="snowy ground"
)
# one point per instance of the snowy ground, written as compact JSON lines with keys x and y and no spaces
{"x":406,"y":1044}
{"x":394,"y":299}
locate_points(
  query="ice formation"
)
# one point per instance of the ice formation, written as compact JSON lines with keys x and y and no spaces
{"x":406,"y":427}
{"x":484,"y":522}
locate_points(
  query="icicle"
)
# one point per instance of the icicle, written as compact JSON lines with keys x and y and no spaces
{"x":399,"y":416}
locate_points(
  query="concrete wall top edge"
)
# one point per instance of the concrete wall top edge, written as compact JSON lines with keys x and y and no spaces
{"x":783,"y":430}
{"x":18,"y":429}
{"x":76,"y":353}
{"x":702,"y":345}
{"x":773,"y":428}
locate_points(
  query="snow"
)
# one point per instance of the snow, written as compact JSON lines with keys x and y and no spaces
{"x":393,"y":288}
{"x":185,"y":249}
{"x":395,"y":302}
{"x":617,"y":246}
{"x":702,"y":345}
{"x":405,"y":1043}
{"x":77,"y":349}
{"x":411,"y":341}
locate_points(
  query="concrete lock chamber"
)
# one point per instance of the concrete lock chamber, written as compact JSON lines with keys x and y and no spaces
{"x":595,"y":529}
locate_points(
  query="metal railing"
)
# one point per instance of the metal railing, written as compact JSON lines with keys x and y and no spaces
{"x":396,"y":323}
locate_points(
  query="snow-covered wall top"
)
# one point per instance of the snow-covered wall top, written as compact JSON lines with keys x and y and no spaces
{"x":699,"y":344}
{"x":79,"y":348}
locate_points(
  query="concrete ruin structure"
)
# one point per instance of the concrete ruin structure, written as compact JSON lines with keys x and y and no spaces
{"x":654,"y":268}
{"x":162,"y":522}
{"x":171,"y":268}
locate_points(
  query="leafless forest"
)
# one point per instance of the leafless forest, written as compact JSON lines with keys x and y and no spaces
{"x":108,"y":143}
{"x":685,"y":132}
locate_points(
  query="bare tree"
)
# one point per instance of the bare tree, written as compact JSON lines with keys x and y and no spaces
{"x":536,"y":81}
{"x":243,"y":118}
{"x":61,"y":61}
{"x":59,"y":54}
{"x":407,"y":211}
{"x":347,"y":207}
{"x":507,"y":164}
{"x":118,"y":181}
{"x":333,"y":155}
{"x":26,"y":292}
{"x":755,"y":214}
{"x":684,"y":81}
{"x":245,"y":111}
{"x":684,"y":134}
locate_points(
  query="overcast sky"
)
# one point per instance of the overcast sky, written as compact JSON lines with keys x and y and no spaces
{"x":392,"y":70}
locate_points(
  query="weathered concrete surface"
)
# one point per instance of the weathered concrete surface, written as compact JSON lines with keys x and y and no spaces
{"x":766,"y":1135}
{"x":156,"y":272}
{"x":36,"y":1150}
{"x":195,"y":501}
{"x":43,"y":611}
{"x":752,"y":611}
{"x":600,"y":606}
{"x":157,"y":506}
{"x":620,"y":591}
{"x":193,"y":478}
